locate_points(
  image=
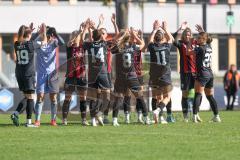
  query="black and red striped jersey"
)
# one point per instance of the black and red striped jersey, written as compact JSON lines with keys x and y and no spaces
{"x":75,"y":62}
{"x":138,"y":62}
{"x":187,"y":56}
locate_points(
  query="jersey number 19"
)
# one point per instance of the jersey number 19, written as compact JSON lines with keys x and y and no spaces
{"x":22,"y":57}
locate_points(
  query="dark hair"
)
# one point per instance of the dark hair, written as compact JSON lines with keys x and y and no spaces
{"x":51,"y":31}
{"x":206,"y":36}
{"x":209,"y":40}
{"x":27,"y":32}
{"x":96,"y":35}
{"x":158,"y":36}
{"x":21,"y":31}
{"x":103,"y":29}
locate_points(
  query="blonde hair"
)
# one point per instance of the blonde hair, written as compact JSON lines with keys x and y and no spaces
{"x":74,"y":37}
{"x":184,"y":33}
{"x":123,"y":40}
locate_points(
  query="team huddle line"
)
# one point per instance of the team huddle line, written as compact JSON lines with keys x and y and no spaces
{"x":89,"y":66}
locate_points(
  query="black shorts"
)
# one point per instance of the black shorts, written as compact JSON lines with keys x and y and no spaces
{"x":157,"y":91}
{"x":26,"y":83}
{"x":206,"y":82}
{"x":187,"y":81}
{"x":162,"y":81}
{"x":101,"y":82}
{"x":122,"y":85}
{"x":75,"y":83}
{"x":140,"y":79}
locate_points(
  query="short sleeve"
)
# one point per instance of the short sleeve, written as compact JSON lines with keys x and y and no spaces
{"x":177,"y":43}
{"x":150,"y":47}
{"x":37,"y":44}
{"x":86,"y":45}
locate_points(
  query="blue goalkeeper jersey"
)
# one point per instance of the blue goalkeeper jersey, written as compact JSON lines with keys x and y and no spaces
{"x":46,"y":58}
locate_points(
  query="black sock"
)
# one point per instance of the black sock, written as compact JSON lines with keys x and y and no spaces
{"x":65,"y":108}
{"x":197,"y":102}
{"x":142,"y":106}
{"x":161,"y":105}
{"x":228,"y":101}
{"x":234,"y":98}
{"x":94,"y":107}
{"x":138,"y":106}
{"x":154,"y":104}
{"x":169,"y":107}
{"x":185,"y":105}
{"x":29,"y":108}
{"x":213,"y":104}
{"x":105,"y":105}
{"x":126,"y":104}
{"x":22,"y":105}
{"x":116,"y":106}
{"x":83,"y":109}
{"x":107,"y":109}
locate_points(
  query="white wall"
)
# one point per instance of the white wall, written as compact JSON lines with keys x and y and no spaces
{"x":67,"y":18}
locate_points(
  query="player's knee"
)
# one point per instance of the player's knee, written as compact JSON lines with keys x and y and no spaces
{"x":68,"y":97}
{"x":208,"y":92}
{"x":53,"y":98}
{"x":29,"y":96}
{"x":82,"y":98}
{"x":40,"y":99}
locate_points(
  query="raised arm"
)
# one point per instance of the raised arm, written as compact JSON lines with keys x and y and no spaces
{"x":114,"y":22}
{"x":199,"y":28}
{"x":90,"y":28}
{"x":168,"y":35}
{"x":139,"y":41}
{"x":156,"y":26}
{"x":100,"y":21}
{"x":177,"y":34}
{"x":43,"y":33}
{"x":59,"y":38}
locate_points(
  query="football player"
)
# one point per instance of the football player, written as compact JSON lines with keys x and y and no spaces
{"x":159,"y":46}
{"x":25,"y":72}
{"x":47,"y":76}
{"x":126,"y":76}
{"x":204,"y":77}
{"x":76,"y":73}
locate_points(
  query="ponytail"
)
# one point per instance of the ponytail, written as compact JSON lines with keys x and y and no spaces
{"x":21,"y":32}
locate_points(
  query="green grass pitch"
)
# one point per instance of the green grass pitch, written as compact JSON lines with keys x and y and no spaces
{"x":179,"y":141}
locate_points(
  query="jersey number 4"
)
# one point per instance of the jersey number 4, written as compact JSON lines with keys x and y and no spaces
{"x":22,"y":57}
{"x":98,"y":55}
